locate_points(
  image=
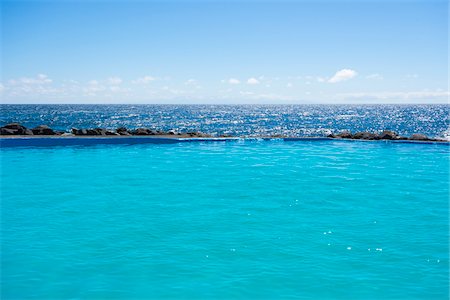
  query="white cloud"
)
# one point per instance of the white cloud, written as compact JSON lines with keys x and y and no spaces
{"x":39,"y":79}
{"x":412,"y":76}
{"x":342,"y":75}
{"x":92,"y":88}
{"x":191,"y":82}
{"x":233,"y":81}
{"x":270,"y":97}
{"x":43,"y":79}
{"x":114,"y":80}
{"x":40,"y":88}
{"x":36,"y":87}
{"x":252,"y":81}
{"x":414,"y":95}
{"x":144,"y":80}
{"x":375,"y":76}
{"x":118,"y":89}
{"x":99,"y":88}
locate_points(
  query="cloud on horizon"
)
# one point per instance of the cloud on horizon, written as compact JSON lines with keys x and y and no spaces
{"x":415,"y":95}
{"x":252,"y":81}
{"x":144,"y":80}
{"x":39,"y":79}
{"x":375,"y":76}
{"x":43,"y":89}
{"x":233,"y":81}
{"x":343,"y":75}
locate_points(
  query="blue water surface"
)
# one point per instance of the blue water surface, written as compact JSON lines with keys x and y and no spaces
{"x":226,"y":220}
{"x":240,"y":120}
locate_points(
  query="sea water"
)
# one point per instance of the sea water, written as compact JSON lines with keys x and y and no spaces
{"x":240,"y":120}
{"x":247,"y":219}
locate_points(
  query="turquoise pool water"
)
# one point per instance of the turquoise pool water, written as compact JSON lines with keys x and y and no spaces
{"x":226,"y":220}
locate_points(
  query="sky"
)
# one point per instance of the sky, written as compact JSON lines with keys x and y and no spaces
{"x":224,"y":52}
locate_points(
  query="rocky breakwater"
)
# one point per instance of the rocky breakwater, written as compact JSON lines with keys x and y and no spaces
{"x":16,"y":129}
{"x":122,"y":131}
{"x":384,"y":135}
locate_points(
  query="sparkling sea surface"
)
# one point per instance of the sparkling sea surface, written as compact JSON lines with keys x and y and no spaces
{"x":247,"y":219}
{"x":239,"y":120}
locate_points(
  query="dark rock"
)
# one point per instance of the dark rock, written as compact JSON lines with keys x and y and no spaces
{"x":365,"y":136}
{"x":91,"y":132}
{"x":401,"y":138}
{"x":388,"y":135}
{"x":121,"y":129}
{"x":43,"y":130}
{"x":15,"y":129}
{"x":345,"y":135}
{"x":419,"y":137}
{"x":109,"y":132}
{"x":358,"y":135}
{"x":192,"y":134}
{"x":96,"y":131}
{"x":79,"y":131}
{"x":141,"y":131}
{"x":171,"y":132}
{"x":331,"y":136}
{"x":100,"y":131}
{"x":14,"y":126}
{"x":28,"y":132}
{"x":7,"y":131}
{"x":197,"y":134}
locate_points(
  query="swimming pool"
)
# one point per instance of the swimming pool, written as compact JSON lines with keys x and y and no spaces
{"x":231,"y":219}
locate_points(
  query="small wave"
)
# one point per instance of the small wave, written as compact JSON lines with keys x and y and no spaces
{"x":446,"y":134}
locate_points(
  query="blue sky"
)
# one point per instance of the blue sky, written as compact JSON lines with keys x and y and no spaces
{"x":224,"y":52}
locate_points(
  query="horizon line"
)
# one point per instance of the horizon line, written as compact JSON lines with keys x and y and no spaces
{"x":232,"y":104}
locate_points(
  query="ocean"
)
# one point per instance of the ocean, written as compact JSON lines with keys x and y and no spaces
{"x":237,"y":219}
{"x":239,"y":120}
